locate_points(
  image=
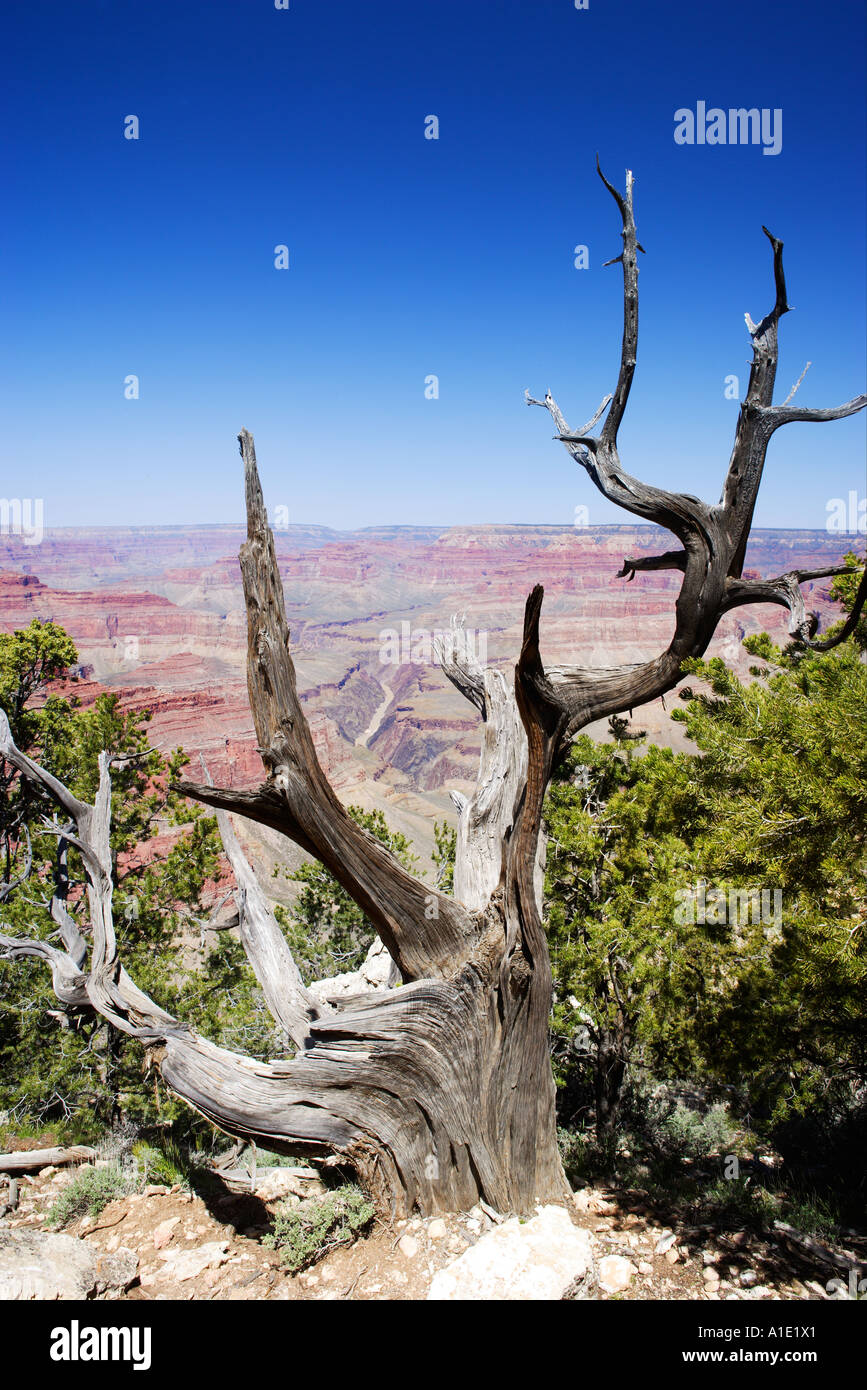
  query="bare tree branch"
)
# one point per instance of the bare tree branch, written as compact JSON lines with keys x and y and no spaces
{"x":785,"y":591}
{"x":68,"y":981}
{"x":797,"y":383}
{"x":485,"y":819}
{"x":425,"y":932}
{"x":629,"y":345}
{"x":714,"y":539}
{"x":8,"y":886}
{"x":671,"y":560}
{"x":288,"y":1001}
{"x":778,"y":415}
{"x":848,"y":626}
{"x":108,"y":988}
{"x":74,"y":942}
{"x":19,"y":760}
{"x":265,"y":946}
{"x":460,"y":664}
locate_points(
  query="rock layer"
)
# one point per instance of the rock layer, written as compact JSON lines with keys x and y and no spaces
{"x":156,"y":614}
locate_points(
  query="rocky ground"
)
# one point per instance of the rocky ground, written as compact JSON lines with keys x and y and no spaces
{"x":173,"y":1244}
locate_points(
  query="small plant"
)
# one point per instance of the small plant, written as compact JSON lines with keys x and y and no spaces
{"x":814,"y":1215}
{"x":13,"y":1131}
{"x":89,"y":1192}
{"x":738,"y":1202}
{"x":687,"y":1134}
{"x":306,"y":1233}
{"x":167,"y":1164}
{"x":584,"y":1158}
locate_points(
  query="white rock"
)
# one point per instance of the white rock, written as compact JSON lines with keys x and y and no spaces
{"x":665,"y":1242}
{"x":187,"y":1264}
{"x":544,"y":1258}
{"x":163,"y":1232}
{"x":36,"y":1265}
{"x":115,"y":1269}
{"x":275,"y":1183}
{"x":437,"y":1229}
{"x":408,"y":1246}
{"x":602,"y":1206}
{"x":377,"y":972}
{"x":616,"y":1273}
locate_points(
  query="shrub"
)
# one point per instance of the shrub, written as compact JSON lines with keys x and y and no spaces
{"x":684,"y":1133}
{"x":737,"y":1202}
{"x":89,"y":1191}
{"x":813,"y":1214}
{"x":306,"y":1233}
{"x":584,"y":1158}
{"x":167,"y":1164}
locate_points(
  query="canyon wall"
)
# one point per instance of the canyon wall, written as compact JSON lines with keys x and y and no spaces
{"x":157,"y":615}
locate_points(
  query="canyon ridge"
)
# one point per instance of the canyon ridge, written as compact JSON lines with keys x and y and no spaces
{"x":157,"y":616}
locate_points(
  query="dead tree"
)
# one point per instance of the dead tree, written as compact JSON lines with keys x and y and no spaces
{"x":439,"y":1092}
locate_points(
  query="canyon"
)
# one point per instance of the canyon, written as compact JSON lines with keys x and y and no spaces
{"x":157,"y":616}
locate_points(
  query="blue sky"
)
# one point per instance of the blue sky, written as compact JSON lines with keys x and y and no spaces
{"x":411,"y":257}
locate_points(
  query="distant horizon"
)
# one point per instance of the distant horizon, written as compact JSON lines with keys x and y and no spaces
{"x":308,"y":526}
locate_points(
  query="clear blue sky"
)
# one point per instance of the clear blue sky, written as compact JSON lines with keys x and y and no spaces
{"x":411,"y":257}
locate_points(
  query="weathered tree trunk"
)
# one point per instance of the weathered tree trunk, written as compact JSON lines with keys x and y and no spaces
{"x":440,"y":1092}
{"x":31,"y":1160}
{"x":608,"y":1079}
